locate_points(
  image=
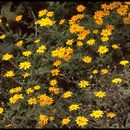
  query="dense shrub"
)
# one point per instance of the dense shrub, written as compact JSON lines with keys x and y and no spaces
{"x":65,"y":66}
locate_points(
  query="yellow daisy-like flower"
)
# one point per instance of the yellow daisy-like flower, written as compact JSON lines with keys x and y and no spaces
{"x":41,"y":49}
{"x":79,"y":43}
{"x":9,"y":74}
{"x":80,"y":8}
{"x":65,"y":121}
{"x":91,"y":42}
{"x":7,"y":56}
{"x":104,"y":39}
{"x":43,"y":120}
{"x":27,"y":53}
{"x":3,"y":36}
{"x":95,"y":71}
{"x":25,"y":65}
{"x":57,"y":63}
{"x":106,"y":32}
{"x":0,"y":21}
{"x":19,"y":43}
{"x":55,"y":72}
{"x":29,"y":90}
{"x":100,"y":94}
{"x":67,"y":94}
{"x":42,"y":12}
{"x":32,"y":101}
{"x":25,"y":75}
{"x":115,"y":46}
{"x":18,"y":18}
{"x":97,"y":114}
{"x":37,"y":87}
{"x":124,"y":62}
{"x":81,"y":121}
{"x":84,"y":83}
{"x":117,"y":80}
{"x":1,"y":110}
{"x":51,"y":118}
{"x":53,"y":82}
{"x":102,"y":49}
{"x":87,"y":59}
{"x":104,"y":71}
{"x":37,"y":41}
{"x":61,"y":21}
{"x":69,"y":42}
{"x":73,"y":107}
{"x":95,"y":31}
{"x":111,"y":114}
{"x":50,"y":14}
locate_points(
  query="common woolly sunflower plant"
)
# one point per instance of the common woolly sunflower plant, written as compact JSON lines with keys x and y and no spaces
{"x":70,"y":72}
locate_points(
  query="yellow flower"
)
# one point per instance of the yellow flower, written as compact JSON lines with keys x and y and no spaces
{"x":97,"y":114}
{"x":27,"y":53}
{"x":57,"y":63}
{"x":122,"y":10}
{"x":15,"y":98}
{"x":79,"y":43}
{"x":3,"y":36}
{"x":73,"y":107}
{"x":42,"y":12}
{"x":62,"y":21}
{"x":50,"y":14}
{"x":95,"y":31}
{"x":53,"y":82}
{"x":102,"y":49}
{"x":43,"y":120}
{"x":55,"y":72}
{"x":84,"y":83}
{"x":29,"y":91}
{"x":87,"y":59}
{"x":80,"y":8}
{"x":45,"y":22}
{"x":67,"y":94}
{"x":117,"y":80}
{"x":104,"y":71}
{"x":1,"y":110}
{"x":111,"y":114}
{"x":41,"y":49}
{"x":104,"y":39}
{"x":74,"y":28}
{"x":45,"y":100}
{"x":81,"y":121}
{"x":100,"y":94}
{"x":0,"y":21}
{"x":9,"y":74}
{"x":25,"y":65}
{"x":25,"y":75}
{"x":7,"y":56}
{"x":15,"y":90}
{"x":51,"y":118}
{"x":19,"y":43}
{"x":58,"y":52}
{"x":95,"y":71}
{"x":124,"y":62}
{"x":54,"y":90}
{"x":37,"y":41}
{"x":37,"y":87}
{"x":91,"y":42}
{"x":69,"y":42}
{"x":32,"y":101}
{"x":18,"y":18}
{"x":106,"y":32}
{"x":65,"y":121}
{"x":115,"y":46}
